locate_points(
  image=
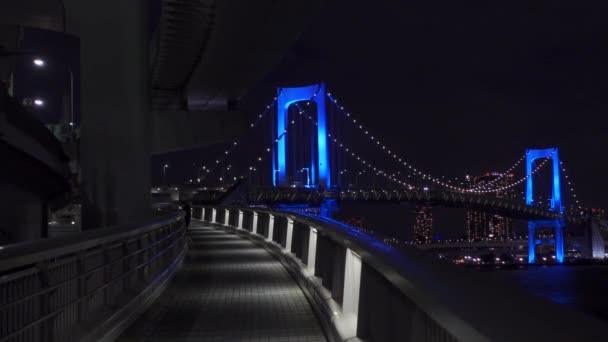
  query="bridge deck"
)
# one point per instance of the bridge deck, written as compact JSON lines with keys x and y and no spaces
{"x":228,"y":289}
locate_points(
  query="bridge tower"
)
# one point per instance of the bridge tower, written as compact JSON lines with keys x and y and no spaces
{"x":556,"y":205}
{"x":553,"y":154}
{"x":558,"y":239}
{"x":319,"y":166}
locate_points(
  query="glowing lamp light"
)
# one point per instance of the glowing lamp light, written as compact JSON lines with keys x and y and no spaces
{"x":39,"y":62}
{"x":39,"y":102}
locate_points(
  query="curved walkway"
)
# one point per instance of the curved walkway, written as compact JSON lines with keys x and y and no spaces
{"x":228,"y":289}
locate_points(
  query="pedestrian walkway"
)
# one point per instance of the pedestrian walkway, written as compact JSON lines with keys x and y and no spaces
{"x":228,"y":289}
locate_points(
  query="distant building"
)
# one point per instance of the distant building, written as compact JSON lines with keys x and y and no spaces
{"x":423,"y":226}
{"x":481,"y":225}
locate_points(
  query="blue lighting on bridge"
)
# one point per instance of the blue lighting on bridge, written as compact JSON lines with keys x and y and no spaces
{"x":556,"y":204}
{"x":558,"y":225}
{"x":553,"y":154}
{"x":286,"y":97}
{"x":329,"y":206}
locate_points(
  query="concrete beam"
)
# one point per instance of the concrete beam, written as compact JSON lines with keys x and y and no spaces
{"x":181,"y":130}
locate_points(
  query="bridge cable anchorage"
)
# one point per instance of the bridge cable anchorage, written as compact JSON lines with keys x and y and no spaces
{"x":235,"y":144}
{"x":268,"y":149}
{"x":400,"y":160}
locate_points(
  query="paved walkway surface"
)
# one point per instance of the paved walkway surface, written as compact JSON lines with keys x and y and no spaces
{"x":229,"y":290}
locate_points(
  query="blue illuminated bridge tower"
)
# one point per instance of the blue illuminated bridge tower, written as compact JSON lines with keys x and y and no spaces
{"x":317,"y":165}
{"x":556,"y":204}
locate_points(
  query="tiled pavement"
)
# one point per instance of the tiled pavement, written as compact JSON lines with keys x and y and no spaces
{"x":228,"y":290}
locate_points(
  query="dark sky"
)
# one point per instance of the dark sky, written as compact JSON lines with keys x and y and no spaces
{"x":463,"y":88}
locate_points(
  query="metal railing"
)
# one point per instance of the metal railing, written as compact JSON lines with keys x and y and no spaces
{"x":86,"y":286}
{"x":366,"y":290}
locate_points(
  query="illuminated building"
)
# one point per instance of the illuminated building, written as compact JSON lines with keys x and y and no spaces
{"x":423,"y":226}
{"x":482,"y":225}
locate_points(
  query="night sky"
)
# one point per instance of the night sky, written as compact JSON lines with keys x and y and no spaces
{"x":465,"y":89}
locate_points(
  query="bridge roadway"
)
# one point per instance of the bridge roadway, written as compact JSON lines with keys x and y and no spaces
{"x":229,"y":289}
{"x":285,"y":195}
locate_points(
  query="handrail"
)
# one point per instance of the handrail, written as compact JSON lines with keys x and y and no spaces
{"x":86,"y":296}
{"x":19,"y":254}
{"x":91,"y":271}
{"x":463,"y":304}
{"x":49,"y":288}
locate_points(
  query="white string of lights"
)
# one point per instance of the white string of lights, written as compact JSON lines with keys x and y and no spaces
{"x":401,"y":160}
{"x":570,"y":185}
{"x":267,"y":150}
{"x":454,"y":188}
{"x":228,"y":152}
{"x":487,"y":185}
{"x":519,"y":181}
{"x":363,"y":162}
{"x":381,"y":172}
{"x":350,"y":152}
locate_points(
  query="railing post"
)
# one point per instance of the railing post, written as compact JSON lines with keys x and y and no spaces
{"x":213,"y":215}
{"x":312,"y":249}
{"x":170,"y":229}
{"x":46,"y":327}
{"x":352,"y":284}
{"x":125,"y":266}
{"x":107,"y":275}
{"x":226,"y":217}
{"x":254,"y":224}
{"x":289,"y":238}
{"x":81,"y":285}
{"x":270,"y":227}
{"x":141,"y":259}
{"x":240,"y":220}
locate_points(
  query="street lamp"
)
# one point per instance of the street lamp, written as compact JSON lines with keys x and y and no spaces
{"x":165,"y":173}
{"x":39,"y":102}
{"x":40,"y":63}
{"x":307,"y":175}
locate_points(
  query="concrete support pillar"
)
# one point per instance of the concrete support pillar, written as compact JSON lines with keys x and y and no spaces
{"x":559,"y":241}
{"x":288,"y":240}
{"x":214,"y":215}
{"x":240,"y":221}
{"x":270,"y":227}
{"x":312,"y":250}
{"x":203,"y":214}
{"x":114,"y":149}
{"x":254,"y":225}
{"x":226,"y":217}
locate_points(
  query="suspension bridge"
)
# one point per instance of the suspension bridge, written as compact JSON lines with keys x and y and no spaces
{"x":311,"y":148}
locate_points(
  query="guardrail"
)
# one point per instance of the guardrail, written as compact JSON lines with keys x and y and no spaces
{"x":88,"y":286}
{"x":365,"y":290}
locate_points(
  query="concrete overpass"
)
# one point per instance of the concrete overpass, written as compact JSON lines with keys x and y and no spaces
{"x":158,"y":76}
